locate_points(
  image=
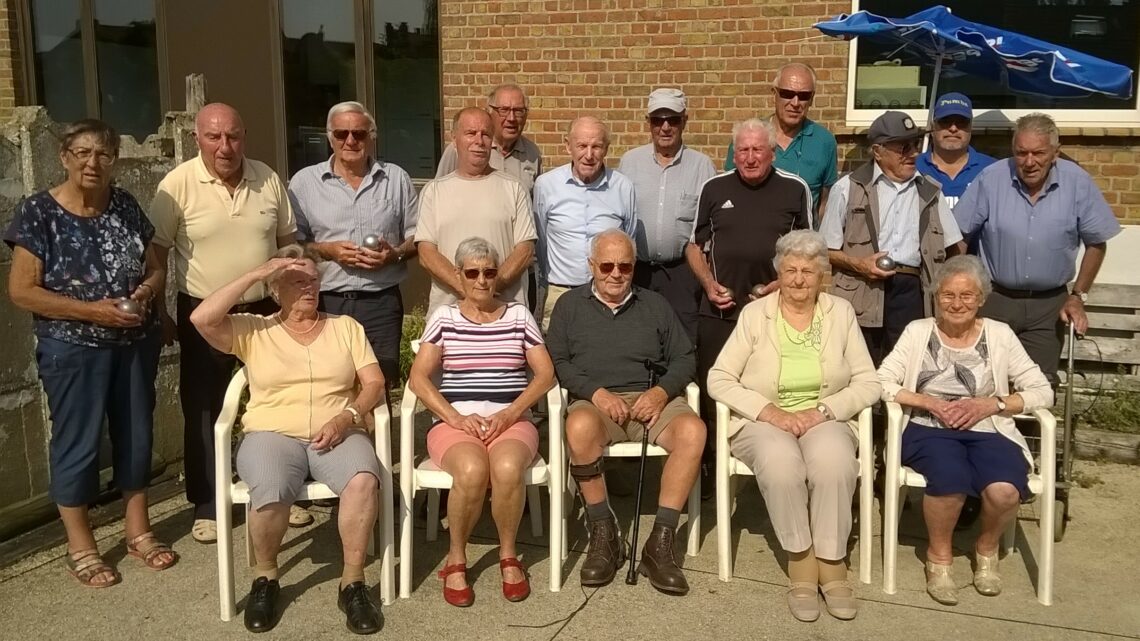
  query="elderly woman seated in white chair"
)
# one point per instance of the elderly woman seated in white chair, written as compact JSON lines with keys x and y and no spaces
{"x":312,"y":379}
{"x":960,"y":380}
{"x":794,"y":370}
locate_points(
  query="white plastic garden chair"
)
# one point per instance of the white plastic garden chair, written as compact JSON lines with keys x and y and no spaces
{"x":729,"y":467}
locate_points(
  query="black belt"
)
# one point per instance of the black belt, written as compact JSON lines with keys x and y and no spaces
{"x":562,"y":286}
{"x":662,"y":263}
{"x":908,"y":270}
{"x":357,"y":295}
{"x":1029,"y":293}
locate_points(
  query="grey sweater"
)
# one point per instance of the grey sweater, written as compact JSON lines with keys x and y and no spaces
{"x":594,"y":348}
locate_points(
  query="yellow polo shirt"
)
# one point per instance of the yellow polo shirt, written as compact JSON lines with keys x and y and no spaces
{"x":218,"y":236}
{"x":295,"y":389}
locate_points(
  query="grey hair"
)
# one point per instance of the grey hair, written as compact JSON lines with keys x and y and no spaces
{"x":475,"y":248}
{"x":794,"y":66}
{"x":507,"y":86}
{"x":754,"y":124}
{"x":592,"y":120}
{"x":350,"y":107}
{"x":803,"y":243}
{"x":292,"y":250}
{"x":1041,"y":124}
{"x":966,"y":265}
{"x":610,"y":234}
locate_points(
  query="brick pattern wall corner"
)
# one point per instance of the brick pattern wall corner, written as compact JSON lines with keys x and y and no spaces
{"x":10,"y":91}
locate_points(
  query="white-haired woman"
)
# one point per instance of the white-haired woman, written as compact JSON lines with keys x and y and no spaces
{"x":795,"y":370}
{"x":313,"y":378}
{"x":960,"y":379}
{"x":483,"y":432}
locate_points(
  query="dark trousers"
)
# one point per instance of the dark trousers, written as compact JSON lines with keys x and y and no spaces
{"x":83,"y":385}
{"x":712,"y":334}
{"x":902,"y":303}
{"x":382,"y":315}
{"x":674,"y":281}
{"x":204,"y":373}
{"x":1036,"y":319}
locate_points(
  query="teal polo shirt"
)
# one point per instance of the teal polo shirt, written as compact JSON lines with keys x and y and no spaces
{"x":812,"y":155}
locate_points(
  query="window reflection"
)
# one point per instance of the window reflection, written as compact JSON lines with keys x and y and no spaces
{"x":318,"y":58}
{"x":405,"y":54}
{"x":59,"y":58}
{"x":127,"y":55}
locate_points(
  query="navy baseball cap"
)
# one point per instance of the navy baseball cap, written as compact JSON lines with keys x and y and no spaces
{"x":954,"y":104}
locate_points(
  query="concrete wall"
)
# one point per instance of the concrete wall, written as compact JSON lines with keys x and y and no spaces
{"x":29,"y":162}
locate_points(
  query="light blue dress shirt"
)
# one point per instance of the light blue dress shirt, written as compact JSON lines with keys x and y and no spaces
{"x":569,"y":213}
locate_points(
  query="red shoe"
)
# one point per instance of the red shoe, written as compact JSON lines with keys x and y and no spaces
{"x":462,"y":597}
{"x":515,"y":592}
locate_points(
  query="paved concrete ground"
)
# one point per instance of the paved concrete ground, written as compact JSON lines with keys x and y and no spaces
{"x":1096,"y":587}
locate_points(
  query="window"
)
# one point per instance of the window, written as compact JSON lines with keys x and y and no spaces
{"x":384,"y":54}
{"x":882,"y":78}
{"x":99,"y":59}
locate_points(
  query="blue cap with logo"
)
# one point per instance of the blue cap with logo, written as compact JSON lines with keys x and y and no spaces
{"x":954,"y":104}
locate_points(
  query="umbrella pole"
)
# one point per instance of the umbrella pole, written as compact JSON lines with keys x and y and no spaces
{"x":932,"y":97}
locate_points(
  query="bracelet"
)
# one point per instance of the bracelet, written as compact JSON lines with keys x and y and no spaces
{"x":355,"y":414}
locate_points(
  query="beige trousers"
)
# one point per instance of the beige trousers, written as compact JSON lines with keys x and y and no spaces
{"x":807,"y":483}
{"x":553,"y":293}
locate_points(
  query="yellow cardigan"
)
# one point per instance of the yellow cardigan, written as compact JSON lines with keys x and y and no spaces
{"x":746,"y":376}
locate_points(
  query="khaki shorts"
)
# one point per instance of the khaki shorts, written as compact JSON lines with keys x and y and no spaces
{"x":633,"y":429}
{"x":553,"y":293}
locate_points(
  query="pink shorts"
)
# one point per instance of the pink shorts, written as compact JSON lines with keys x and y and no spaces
{"x":442,"y":436}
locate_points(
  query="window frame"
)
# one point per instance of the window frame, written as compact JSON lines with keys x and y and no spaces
{"x":995,"y":118}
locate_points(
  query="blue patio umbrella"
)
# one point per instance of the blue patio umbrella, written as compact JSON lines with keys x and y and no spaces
{"x":1022,"y":64}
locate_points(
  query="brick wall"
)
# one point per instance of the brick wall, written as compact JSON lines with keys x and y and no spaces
{"x":602,"y":57}
{"x":9,"y":59}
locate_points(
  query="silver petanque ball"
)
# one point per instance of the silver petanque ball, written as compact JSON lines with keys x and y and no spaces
{"x":885,"y":263}
{"x":758,"y":290}
{"x":371,"y":241}
{"x":128,"y":306}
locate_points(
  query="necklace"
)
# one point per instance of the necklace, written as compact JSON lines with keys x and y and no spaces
{"x":298,"y":333}
{"x":811,"y":337}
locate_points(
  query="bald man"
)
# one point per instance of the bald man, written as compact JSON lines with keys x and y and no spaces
{"x":574,"y":203}
{"x":223,"y":214}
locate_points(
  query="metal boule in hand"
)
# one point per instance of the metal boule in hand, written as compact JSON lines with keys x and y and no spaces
{"x":885,"y":263}
{"x":371,"y":241}
{"x":758,"y":290}
{"x":728,"y":291}
{"x":128,"y":306}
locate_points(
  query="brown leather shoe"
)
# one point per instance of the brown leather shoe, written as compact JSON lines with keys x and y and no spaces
{"x":605,"y":555}
{"x":660,"y":565}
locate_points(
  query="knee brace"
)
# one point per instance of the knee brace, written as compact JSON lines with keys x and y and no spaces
{"x":588,"y":471}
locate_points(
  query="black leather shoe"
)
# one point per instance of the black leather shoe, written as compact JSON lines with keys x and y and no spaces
{"x":660,"y":565}
{"x":261,"y":606}
{"x":362,"y":615}
{"x":605,"y":555}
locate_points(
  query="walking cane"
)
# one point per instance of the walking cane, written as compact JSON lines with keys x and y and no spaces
{"x":655,"y":371}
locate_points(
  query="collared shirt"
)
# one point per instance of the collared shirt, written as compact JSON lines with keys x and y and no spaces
{"x":328,"y":209}
{"x":616,"y":308}
{"x":666,"y":199}
{"x":899,"y":213}
{"x":523,"y":161}
{"x":569,"y":213}
{"x":812,"y":155}
{"x":218,"y":236}
{"x":953,"y":188}
{"x":1034,"y":245}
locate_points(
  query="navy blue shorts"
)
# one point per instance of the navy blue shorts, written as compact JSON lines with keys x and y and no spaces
{"x":84,"y":386}
{"x":963,"y":462}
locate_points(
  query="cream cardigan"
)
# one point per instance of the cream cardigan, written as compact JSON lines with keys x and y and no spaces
{"x":746,"y":376}
{"x":1008,"y":361}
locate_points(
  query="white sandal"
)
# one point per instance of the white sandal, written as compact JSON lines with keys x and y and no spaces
{"x":299,"y":516}
{"x":205,"y":531}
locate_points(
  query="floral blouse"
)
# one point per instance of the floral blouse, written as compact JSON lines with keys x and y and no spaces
{"x":87,"y":259}
{"x":953,"y":373}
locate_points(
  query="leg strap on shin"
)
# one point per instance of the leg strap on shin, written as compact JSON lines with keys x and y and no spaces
{"x":588,"y":471}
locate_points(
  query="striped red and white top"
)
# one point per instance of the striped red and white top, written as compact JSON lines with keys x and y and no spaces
{"x":483,"y":364}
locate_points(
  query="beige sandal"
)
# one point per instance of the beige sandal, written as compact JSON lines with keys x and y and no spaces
{"x":205,"y":531}
{"x":299,"y":516}
{"x":940,"y":584}
{"x":148,"y":548}
{"x":841,"y":606}
{"x":987,"y":581}
{"x":803,"y":601}
{"x":85,"y":565}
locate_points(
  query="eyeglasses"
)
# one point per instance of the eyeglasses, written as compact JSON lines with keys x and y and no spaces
{"x":83,"y":155}
{"x":488,"y":273}
{"x":517,"y":112}
{"x":674,"y":121}
{"x":359,"y":134}
{"x":788,"y":94}
{"x":623,"y":268}
{"x":947,"y":298}
{"x":904,"y":148}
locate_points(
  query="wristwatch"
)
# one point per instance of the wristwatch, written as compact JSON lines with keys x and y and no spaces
{"x":1084,"y":296}
{"x":400,"y":253}
{"x":1001,"y":404}
{"x":825,"y":410}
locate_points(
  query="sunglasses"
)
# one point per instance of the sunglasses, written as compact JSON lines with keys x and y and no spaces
{"x":905,"y":148}
{"x":623,"y":268}
{"x":473,"y":274}
{"x":788,"y":94}
{"x":343,"y":134}
{"x":674,"y":121}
